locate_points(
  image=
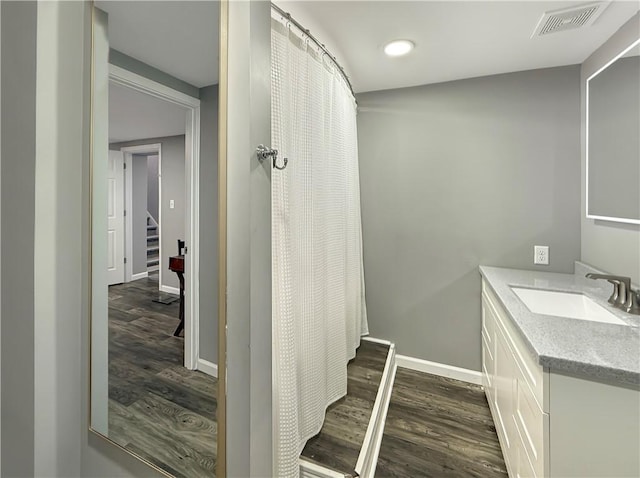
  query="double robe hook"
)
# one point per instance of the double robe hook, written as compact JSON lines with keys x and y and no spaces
{"x":265,"y":153}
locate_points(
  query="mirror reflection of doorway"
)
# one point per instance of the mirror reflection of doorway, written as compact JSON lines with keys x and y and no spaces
{"x":158,"y":408}
{"x":154,"y":384}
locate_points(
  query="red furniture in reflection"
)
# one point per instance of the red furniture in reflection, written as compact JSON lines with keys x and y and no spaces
{"x":176,"y":264}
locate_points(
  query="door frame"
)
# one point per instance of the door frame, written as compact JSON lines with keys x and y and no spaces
{"x":128,"y":79}
{"x":245,"y":386}
{"x":129,"y":152}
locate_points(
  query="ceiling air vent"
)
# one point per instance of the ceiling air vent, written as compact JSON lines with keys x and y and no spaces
{"x":568,"y":18}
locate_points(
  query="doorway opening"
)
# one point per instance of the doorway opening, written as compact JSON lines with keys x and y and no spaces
{"x":154,"y":133}
{"x":143,"y":226}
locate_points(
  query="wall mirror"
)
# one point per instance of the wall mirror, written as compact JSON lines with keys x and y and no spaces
{"x":153,"y":245}
{"x":613,"y":142}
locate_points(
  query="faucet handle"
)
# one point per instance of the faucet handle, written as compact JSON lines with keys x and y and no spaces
{"x":616,"y":292}
{"x":632,"y":305}
{"x":621,"y":286}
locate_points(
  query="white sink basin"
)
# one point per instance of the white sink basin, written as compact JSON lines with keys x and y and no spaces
{"x":565,"y":304}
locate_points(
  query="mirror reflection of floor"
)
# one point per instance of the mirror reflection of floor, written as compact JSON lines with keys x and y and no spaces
{"x":158,"y":410}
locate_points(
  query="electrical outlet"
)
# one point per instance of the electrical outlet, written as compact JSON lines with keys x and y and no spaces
{"x":541,"y":255}
{"x":171,"y":204}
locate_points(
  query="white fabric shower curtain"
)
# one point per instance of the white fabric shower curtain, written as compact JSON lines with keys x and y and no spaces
{"x":319,"y":309}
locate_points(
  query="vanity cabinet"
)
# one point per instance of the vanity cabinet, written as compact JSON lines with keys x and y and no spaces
{"x":550,"y":423}
{"x":515,"y":389}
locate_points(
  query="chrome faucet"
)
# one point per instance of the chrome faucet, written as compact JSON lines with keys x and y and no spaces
{"x":623,"y":296}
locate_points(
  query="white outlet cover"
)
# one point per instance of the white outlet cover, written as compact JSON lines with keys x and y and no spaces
{"x":541,"y":255}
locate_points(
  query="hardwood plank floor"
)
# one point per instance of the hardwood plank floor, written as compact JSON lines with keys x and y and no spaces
{"x":338,"y":444}
{"x":438,"y":427}
{"x":158,"y":410}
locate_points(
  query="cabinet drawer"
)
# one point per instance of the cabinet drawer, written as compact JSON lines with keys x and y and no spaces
{"x":531,"y":422}
{"x":533,"y":373}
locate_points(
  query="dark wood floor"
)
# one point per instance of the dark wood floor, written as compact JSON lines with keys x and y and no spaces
{"x":159,"y":410}
{"x":438,"y":427}
{"x":338,"y":444}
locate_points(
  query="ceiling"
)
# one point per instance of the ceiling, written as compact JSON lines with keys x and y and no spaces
{"x":454,"y":39}
{"x":177,"y":37}
{"x":134,"y":115}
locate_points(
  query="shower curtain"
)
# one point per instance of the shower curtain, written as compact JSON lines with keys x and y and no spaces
{"x":319,"y":309}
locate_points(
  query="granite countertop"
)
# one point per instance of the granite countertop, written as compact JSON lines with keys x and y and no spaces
{"x":592,"y":350}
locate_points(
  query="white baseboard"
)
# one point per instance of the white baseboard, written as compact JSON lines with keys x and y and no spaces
{"x":170,"y":290}
{"x":441,"y":369}
{"x":375,"y":341}
{"x":207,"y":367}
{"x":312,"y":470}
{"x":139,"y":275}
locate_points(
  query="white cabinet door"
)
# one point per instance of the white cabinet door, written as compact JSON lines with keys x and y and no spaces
{"x":115,"y":218}
{"x":488,"y":349}
{"x":504,"y":393}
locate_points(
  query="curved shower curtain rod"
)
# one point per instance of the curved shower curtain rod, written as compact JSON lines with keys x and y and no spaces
{"x":317,"y":42}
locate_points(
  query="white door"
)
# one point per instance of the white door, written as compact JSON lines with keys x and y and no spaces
{"x":115,"y":218}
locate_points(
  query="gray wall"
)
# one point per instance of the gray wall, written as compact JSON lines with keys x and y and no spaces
{"x":209,"y":223}
{"x":139,"y":179}
{"x":172,"y":224}
{"x":17,"y":203}
{"x":610,"y":246}
{"x":614,"y":141}
{"x":459,"y":174}
{"x":152,"y":185}
{"x":57,"y":416}
{"x":127,"y":62}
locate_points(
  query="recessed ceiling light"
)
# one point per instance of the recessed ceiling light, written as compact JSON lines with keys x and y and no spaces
{"x":398,"y":47}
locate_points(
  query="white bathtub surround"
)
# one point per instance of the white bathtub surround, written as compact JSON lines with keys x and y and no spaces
{"x":319,"y":311}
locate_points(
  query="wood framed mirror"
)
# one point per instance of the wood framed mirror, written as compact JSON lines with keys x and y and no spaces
{"x":157,"y":238}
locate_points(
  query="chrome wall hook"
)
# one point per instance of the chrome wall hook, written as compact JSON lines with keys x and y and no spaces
{"x":284,"y":163}
{"x":264,"y":153}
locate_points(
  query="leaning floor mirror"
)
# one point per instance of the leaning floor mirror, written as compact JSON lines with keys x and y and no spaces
{"x":155,"y":71}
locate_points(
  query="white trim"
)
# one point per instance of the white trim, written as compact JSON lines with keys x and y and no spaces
{"x":192,"y":235}
{"x":0,"y":258}
{"x":207,"y":367}
{"x":150,"y":148}
{"x":140,"y":275}
{"x":368,"y":457}
{"x":309,"y":469}
{"x":443,"y":370}
{"x":172,"y":290}
{"x":376,"y":341}
{"x":128,"y":218}
{"x":123,"y":77}
{"x":586,"y":141}
{"x":383,"y":420}
{"x":128,"y":152}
